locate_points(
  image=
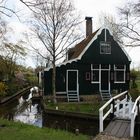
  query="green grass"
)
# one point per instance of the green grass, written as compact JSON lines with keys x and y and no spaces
{"x":92,"y":108}
{"x":20,"y":131}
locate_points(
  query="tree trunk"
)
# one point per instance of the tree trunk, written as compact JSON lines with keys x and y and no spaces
{"x":53,"y":83}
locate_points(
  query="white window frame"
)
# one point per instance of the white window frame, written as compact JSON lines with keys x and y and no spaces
{"x":121,"y":70}
{"x":105,"y":43}
{"x":92,"y":69}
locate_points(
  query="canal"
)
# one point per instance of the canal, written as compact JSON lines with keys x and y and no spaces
{"x":21,"y":109}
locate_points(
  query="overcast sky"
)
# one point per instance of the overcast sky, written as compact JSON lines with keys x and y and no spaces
{"x":92,"y":8}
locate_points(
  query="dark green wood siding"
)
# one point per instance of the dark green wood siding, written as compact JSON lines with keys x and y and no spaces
{"x":91,"y":56}
{"x":117,"y":56}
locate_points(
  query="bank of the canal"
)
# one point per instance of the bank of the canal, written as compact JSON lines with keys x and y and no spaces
{"x":82,"y":117}
{"x":70,"y":117}
{"x":10,"y":130}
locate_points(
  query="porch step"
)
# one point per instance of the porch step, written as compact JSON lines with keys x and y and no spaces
{"x":105,"y":95}
{"x":73,"y":97}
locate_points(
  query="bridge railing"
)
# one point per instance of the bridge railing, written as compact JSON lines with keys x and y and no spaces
{"x":112,"y":109}
{"x":134,"y":113}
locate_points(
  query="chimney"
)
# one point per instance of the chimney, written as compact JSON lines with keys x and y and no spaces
{"x":88,"y":26}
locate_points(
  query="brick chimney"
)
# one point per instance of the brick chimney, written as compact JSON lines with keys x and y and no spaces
{"x":88,"y":26}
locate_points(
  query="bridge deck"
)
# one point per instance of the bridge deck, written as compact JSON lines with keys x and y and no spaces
{"x":118,"y":128}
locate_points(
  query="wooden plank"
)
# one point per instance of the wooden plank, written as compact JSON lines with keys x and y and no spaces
{"x":127,"y":132}
{"x":116,"y":128}
{"x":122,"y":129}
{"x":110,"y":127}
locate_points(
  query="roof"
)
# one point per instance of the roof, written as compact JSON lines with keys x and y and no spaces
{"x":77,"y":50}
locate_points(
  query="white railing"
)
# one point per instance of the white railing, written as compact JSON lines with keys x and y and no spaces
{"x":102,"y":117}
{"x":111,"y":102}
{"x":134,"y":113}
{"x":126,"y":107}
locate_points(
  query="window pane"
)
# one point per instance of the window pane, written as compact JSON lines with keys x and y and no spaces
{"x":104,"y":66}
{"x":105,"y":48}
{"x":119,"y":67}
{"x":95,"y":66}
{"x":95,"y":76}
{"x":119,"y":76}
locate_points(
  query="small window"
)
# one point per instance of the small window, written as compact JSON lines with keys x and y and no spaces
{"x":95,"y":66}
{"x":119,"y":67}
{"x":105,"y":67}
{"x":95,"y":76}
{"x":95,"y":73}
{"x":119,"y":75}
{"x":105,"y":48}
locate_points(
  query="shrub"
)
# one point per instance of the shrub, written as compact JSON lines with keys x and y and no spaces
{"x":12,"y":88}
{"x":134,"y":93}
{"x":133,"y":77}
{"x":3,"y":89}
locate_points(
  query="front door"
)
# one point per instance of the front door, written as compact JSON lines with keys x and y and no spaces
{"x":104,"y":80}
{"x":72,"y":80}
{"x":72,"y":85}
{"x":104,"y":85}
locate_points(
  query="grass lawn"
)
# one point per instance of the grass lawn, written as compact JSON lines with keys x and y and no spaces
{"x":92,"y":108}
{"x":20,"y":131}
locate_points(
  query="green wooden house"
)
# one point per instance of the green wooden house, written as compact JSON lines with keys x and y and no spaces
{"x":97,"y":65}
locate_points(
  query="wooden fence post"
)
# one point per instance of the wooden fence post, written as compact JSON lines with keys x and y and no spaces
{"x":113,"y":109}
{"x":101,"y":120}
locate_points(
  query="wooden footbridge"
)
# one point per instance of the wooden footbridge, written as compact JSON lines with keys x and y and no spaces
{"x":122,"y":112}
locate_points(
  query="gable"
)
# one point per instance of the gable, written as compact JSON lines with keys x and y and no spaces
{"x":94,"y":54}
{"x":80,"y":49}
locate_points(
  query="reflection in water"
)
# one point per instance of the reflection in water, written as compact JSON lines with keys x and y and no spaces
{"x":28,"y":113}
{"x":83,"y":125}
{"x":21,"y":100}
{"x":29,"y":97}
{"x":21,"y":109}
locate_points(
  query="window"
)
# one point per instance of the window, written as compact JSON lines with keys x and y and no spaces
{"x":95,"y":73}
{"x":119,"y":73}
{"x":105,"y":48}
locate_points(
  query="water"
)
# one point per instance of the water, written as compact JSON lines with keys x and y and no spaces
{"x":84,"y":126}
{"x":21,"y":109}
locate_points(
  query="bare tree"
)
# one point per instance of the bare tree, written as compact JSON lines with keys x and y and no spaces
{"x":130,"y":23}
{"x":41,"y":61}
{"x":56,"y":26}
{"x":110,"y":21}
{"x":5,"y":10}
